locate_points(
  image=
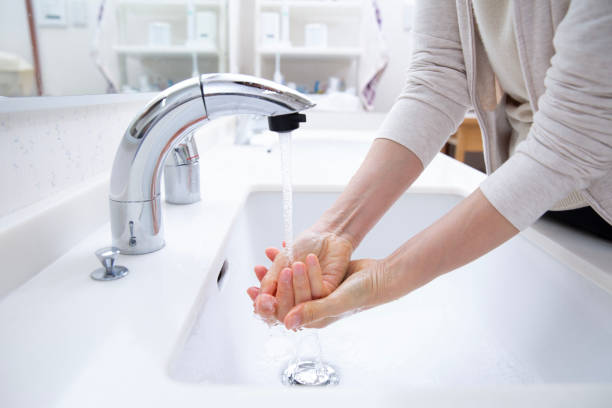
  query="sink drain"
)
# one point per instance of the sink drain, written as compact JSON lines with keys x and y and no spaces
{"x":310,"y":373}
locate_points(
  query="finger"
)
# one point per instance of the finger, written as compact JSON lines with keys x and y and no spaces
{"x":271,"y":253}
{"x":284,"y":294}
{"x":301,"y":286}
{"x":270,"y":280}
{"x":304,"y":314}
{"x":315,"y":276}
{"x":253,"y":291}
{"x":265,"y":305}
{"x":260,"y":272}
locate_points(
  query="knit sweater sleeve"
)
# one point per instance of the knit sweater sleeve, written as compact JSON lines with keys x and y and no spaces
{"x":435,"y":97}
{"x":569,"y":145}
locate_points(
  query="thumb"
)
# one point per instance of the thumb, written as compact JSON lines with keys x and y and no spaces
{"x":319,"y":312}
{"x":356,"y":293}
{"x":306,"y":313}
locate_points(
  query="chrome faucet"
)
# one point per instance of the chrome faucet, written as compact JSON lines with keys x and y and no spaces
{"x":161,"y":127}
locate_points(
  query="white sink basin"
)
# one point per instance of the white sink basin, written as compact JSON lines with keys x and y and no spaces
{"x":515,"y":316}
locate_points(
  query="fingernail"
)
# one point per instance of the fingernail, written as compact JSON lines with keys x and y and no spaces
{"x":267,"y":307}
{"x":298,"y":267}
{"x":293,"y":322}
{"x":311,"y":259}
{"x":285,"y":275}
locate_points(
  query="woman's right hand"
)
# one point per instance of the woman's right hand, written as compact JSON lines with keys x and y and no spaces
{"x":325,"y":256}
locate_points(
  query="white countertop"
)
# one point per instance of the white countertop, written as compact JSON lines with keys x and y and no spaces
{"x":66,"y":340}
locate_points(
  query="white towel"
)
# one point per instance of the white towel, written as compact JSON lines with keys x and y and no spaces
{"x":375,"y":54}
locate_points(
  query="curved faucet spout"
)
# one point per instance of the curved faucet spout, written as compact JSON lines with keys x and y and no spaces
{"x":135,"y":205}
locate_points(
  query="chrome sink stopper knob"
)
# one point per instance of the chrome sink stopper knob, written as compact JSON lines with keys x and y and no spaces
{"x":110,"y":271}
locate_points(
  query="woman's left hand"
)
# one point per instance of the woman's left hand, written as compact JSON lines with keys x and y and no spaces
{"x":296,"y":308}
{"x":296,"y":284}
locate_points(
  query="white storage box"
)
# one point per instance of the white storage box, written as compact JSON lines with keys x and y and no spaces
{"x":270,"y":28}
{"x":206,"y":28}
{"x":159,"y":34}
{"x":315,"y":35}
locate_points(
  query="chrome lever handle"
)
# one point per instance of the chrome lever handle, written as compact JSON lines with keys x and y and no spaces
{"x":107,"y":257}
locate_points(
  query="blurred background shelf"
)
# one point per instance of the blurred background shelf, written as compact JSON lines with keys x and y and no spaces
{"x":284,"y":47}
{"x":146,"y":4}
{"x":311,"y":52}
{"x":159,"y":51}
{"x":315,"y":4}
{"x":150,"y":60}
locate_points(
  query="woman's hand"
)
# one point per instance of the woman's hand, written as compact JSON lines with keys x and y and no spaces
{"x":387,"y":171}
{"x":322,"y":261}
{"x":363,"y":288}
{"x":296,"y":307}
{"x":468,"y":231}
{"x":294,"y":286}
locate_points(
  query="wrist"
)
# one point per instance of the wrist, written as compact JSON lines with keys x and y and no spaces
{"x":334,"y":226}
{"x":407,"y":269}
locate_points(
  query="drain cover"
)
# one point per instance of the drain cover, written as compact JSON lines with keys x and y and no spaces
{"x":310,"y":373}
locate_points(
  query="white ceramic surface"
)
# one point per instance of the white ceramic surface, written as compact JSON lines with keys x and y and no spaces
{"x":516,"y":316}
{"x":67,"y":341}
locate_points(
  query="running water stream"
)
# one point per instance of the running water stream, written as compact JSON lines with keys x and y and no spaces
{"x":285,"y":151}
{"x":301,"y":371}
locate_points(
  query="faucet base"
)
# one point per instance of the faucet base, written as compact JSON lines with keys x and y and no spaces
{"x":182,"y":183}
{"x":137,"y":226}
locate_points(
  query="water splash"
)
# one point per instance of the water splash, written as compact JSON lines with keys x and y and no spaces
{"x":307,"y":367}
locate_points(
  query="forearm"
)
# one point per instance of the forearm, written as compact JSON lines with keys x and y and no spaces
{"x":470,"y":230}
{"x":387,"y":171}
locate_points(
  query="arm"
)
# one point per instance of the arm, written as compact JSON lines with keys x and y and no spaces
{"x":387,"y":171}
{"x":569,"y":147}
{"x":429,"y":109}
{"x":468,"y":231}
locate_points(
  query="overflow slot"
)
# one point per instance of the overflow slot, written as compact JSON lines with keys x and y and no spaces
{"x":222,"y":274}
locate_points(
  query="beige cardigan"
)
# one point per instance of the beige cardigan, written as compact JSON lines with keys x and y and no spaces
{"x":565,"y":52}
